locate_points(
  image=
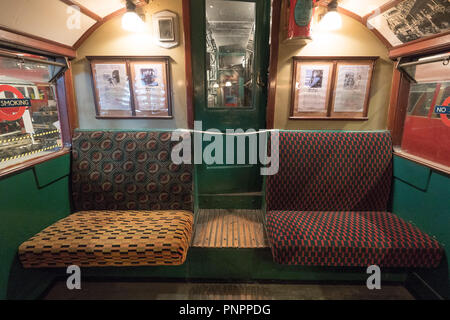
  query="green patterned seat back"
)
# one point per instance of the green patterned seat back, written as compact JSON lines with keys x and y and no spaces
{"x":128,"y":170}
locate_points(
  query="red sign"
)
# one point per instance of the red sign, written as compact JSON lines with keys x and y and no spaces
{"x":12,"y":113}
{"x":444,"y":116}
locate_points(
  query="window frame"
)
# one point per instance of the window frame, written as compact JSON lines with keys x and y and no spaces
{"x":400,"y":88}
{"x":64,"y":100}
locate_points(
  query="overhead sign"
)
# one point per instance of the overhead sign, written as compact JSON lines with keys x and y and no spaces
{"x":13,"y":109}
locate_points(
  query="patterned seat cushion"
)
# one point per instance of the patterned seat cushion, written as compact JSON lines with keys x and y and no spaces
{"x":349,"y":239}
{"x":128,"y":170}
{"x":111,"y":238}
{"x":332,"y":171}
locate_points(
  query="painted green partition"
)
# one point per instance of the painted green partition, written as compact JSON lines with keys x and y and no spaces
{"x":421,"y":196}
{"x":30,"y":201}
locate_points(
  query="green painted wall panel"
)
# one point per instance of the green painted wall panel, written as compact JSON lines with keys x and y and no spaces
{"x":51,"y":171}
{"x":25,"y":210}
{"x":428,"y":209}
{"x":410,"y":172}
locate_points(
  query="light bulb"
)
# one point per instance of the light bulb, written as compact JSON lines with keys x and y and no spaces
{"x":228,"y":84}
{"x":132,"y":22}
{"x":216,"y":85}
{"x":331,"y":21}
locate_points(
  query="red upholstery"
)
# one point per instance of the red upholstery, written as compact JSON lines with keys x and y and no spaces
{"x":332,"y":171}
{"x":349,"y":239}
{"x":327,"y":206}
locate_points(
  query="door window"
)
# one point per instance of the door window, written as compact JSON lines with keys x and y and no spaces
{"x":230,"y":31}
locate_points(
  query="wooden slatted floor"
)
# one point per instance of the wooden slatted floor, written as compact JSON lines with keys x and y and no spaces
{"x":224,"y":228}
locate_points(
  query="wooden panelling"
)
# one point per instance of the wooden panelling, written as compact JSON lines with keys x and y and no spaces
{"x":431,"y":44}
{"x":97,"y":25}
{"x":273,"y":67}
{"x":188,"y":63}
{"x":70,"y":100}
{"x":83,"y":9}
{"x":398,"y":105}
{"x":28,"y":41}
{"x":222,"y":228}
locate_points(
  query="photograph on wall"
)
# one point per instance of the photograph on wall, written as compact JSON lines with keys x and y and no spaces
{"x":410,"y":20}
{"x":311,"y":87}
{"x":351,"y":88}
{"x":112,"y":87}
{"x":166,"y":29}
{"x":150,"y":87}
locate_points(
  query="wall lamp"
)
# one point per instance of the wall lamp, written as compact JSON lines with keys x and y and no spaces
{"x":332,"y":19}
{"x":131,"y":21}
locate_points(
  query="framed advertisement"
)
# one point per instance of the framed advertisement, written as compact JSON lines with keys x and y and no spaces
{"x":111,"y":88}
{"x":131,"y":87}
{"x":151,"y":87}
{"x":328,"y":88}
{"x":311,"y":87}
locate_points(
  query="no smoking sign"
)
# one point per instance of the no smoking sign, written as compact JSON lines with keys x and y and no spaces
{"x":13,"y":109}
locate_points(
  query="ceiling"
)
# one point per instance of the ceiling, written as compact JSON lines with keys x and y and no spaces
{"x":53,"y":19}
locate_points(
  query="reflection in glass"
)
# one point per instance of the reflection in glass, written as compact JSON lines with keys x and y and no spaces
{"x":36,"y":132}
{"x":230,"y":30}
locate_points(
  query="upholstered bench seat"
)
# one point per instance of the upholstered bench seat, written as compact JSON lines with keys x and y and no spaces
{"x":315,"y":238}
{"x":111,"y":238}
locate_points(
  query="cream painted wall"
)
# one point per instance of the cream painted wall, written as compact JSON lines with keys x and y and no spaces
{"x":109,"y":40}
{"x":353,"y":39}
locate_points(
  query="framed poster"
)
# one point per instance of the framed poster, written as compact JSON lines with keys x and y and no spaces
{"x":111,"y":88}
{"x":151,"y":87}
{"x":326,"y":88}
{"x":311,"y":88}
{"x":352,"y":88}
{"x":131,"y":87}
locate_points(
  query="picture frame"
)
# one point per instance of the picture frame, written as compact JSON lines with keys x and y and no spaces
{"x":331,"y":88}
{"x":166,"y":29}
{"x":131,"y":87}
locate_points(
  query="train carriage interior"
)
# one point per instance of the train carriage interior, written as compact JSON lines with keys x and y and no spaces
{"x":224,"y":150}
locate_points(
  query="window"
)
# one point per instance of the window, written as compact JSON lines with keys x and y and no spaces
{"x":426,"y":131}
{"x":32,"y":129}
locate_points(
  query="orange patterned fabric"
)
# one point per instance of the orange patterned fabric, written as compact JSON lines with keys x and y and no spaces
{"x":111,"y":238}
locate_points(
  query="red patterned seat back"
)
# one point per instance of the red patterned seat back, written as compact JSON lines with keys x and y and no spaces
{"x":332,"y":171}
{"x":125,"y":170}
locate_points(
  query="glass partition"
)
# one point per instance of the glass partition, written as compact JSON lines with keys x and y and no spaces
{"x":29,"y":120}
{"x":230,"y":30}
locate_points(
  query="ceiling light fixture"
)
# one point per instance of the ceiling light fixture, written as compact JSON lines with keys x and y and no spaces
{"x":332,"y":19}
{"x":131,"y":21}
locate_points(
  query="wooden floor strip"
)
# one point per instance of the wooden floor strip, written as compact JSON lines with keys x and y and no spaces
{"x":225,"y":228}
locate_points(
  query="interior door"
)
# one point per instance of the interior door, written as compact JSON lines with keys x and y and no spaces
{"x":230,"y":43}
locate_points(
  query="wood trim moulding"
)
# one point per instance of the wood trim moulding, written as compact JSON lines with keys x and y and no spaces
{"x":431,"y":44}
{"x":273,"y":66}
{"x":26,"y":40}
{"x":363,"y":21}
{"x":383,"y":8}
{"x":70,"y":100}
{"x":16,"y":168}
{"x":83,"y":9}
{"x":97,"y":25}
{"x":188,"y":64}
{"x":398,"y":104}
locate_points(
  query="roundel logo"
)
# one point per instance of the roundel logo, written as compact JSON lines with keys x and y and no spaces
{"x":444,"y":117}
{"x":12,"y":109}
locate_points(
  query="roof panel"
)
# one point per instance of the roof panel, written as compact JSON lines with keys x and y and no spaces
{"x":49,"y":19}
{"x":362,"y":8}
{"x":102,"y":7}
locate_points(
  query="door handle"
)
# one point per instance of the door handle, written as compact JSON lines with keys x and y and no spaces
{"x":259,"y":81}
